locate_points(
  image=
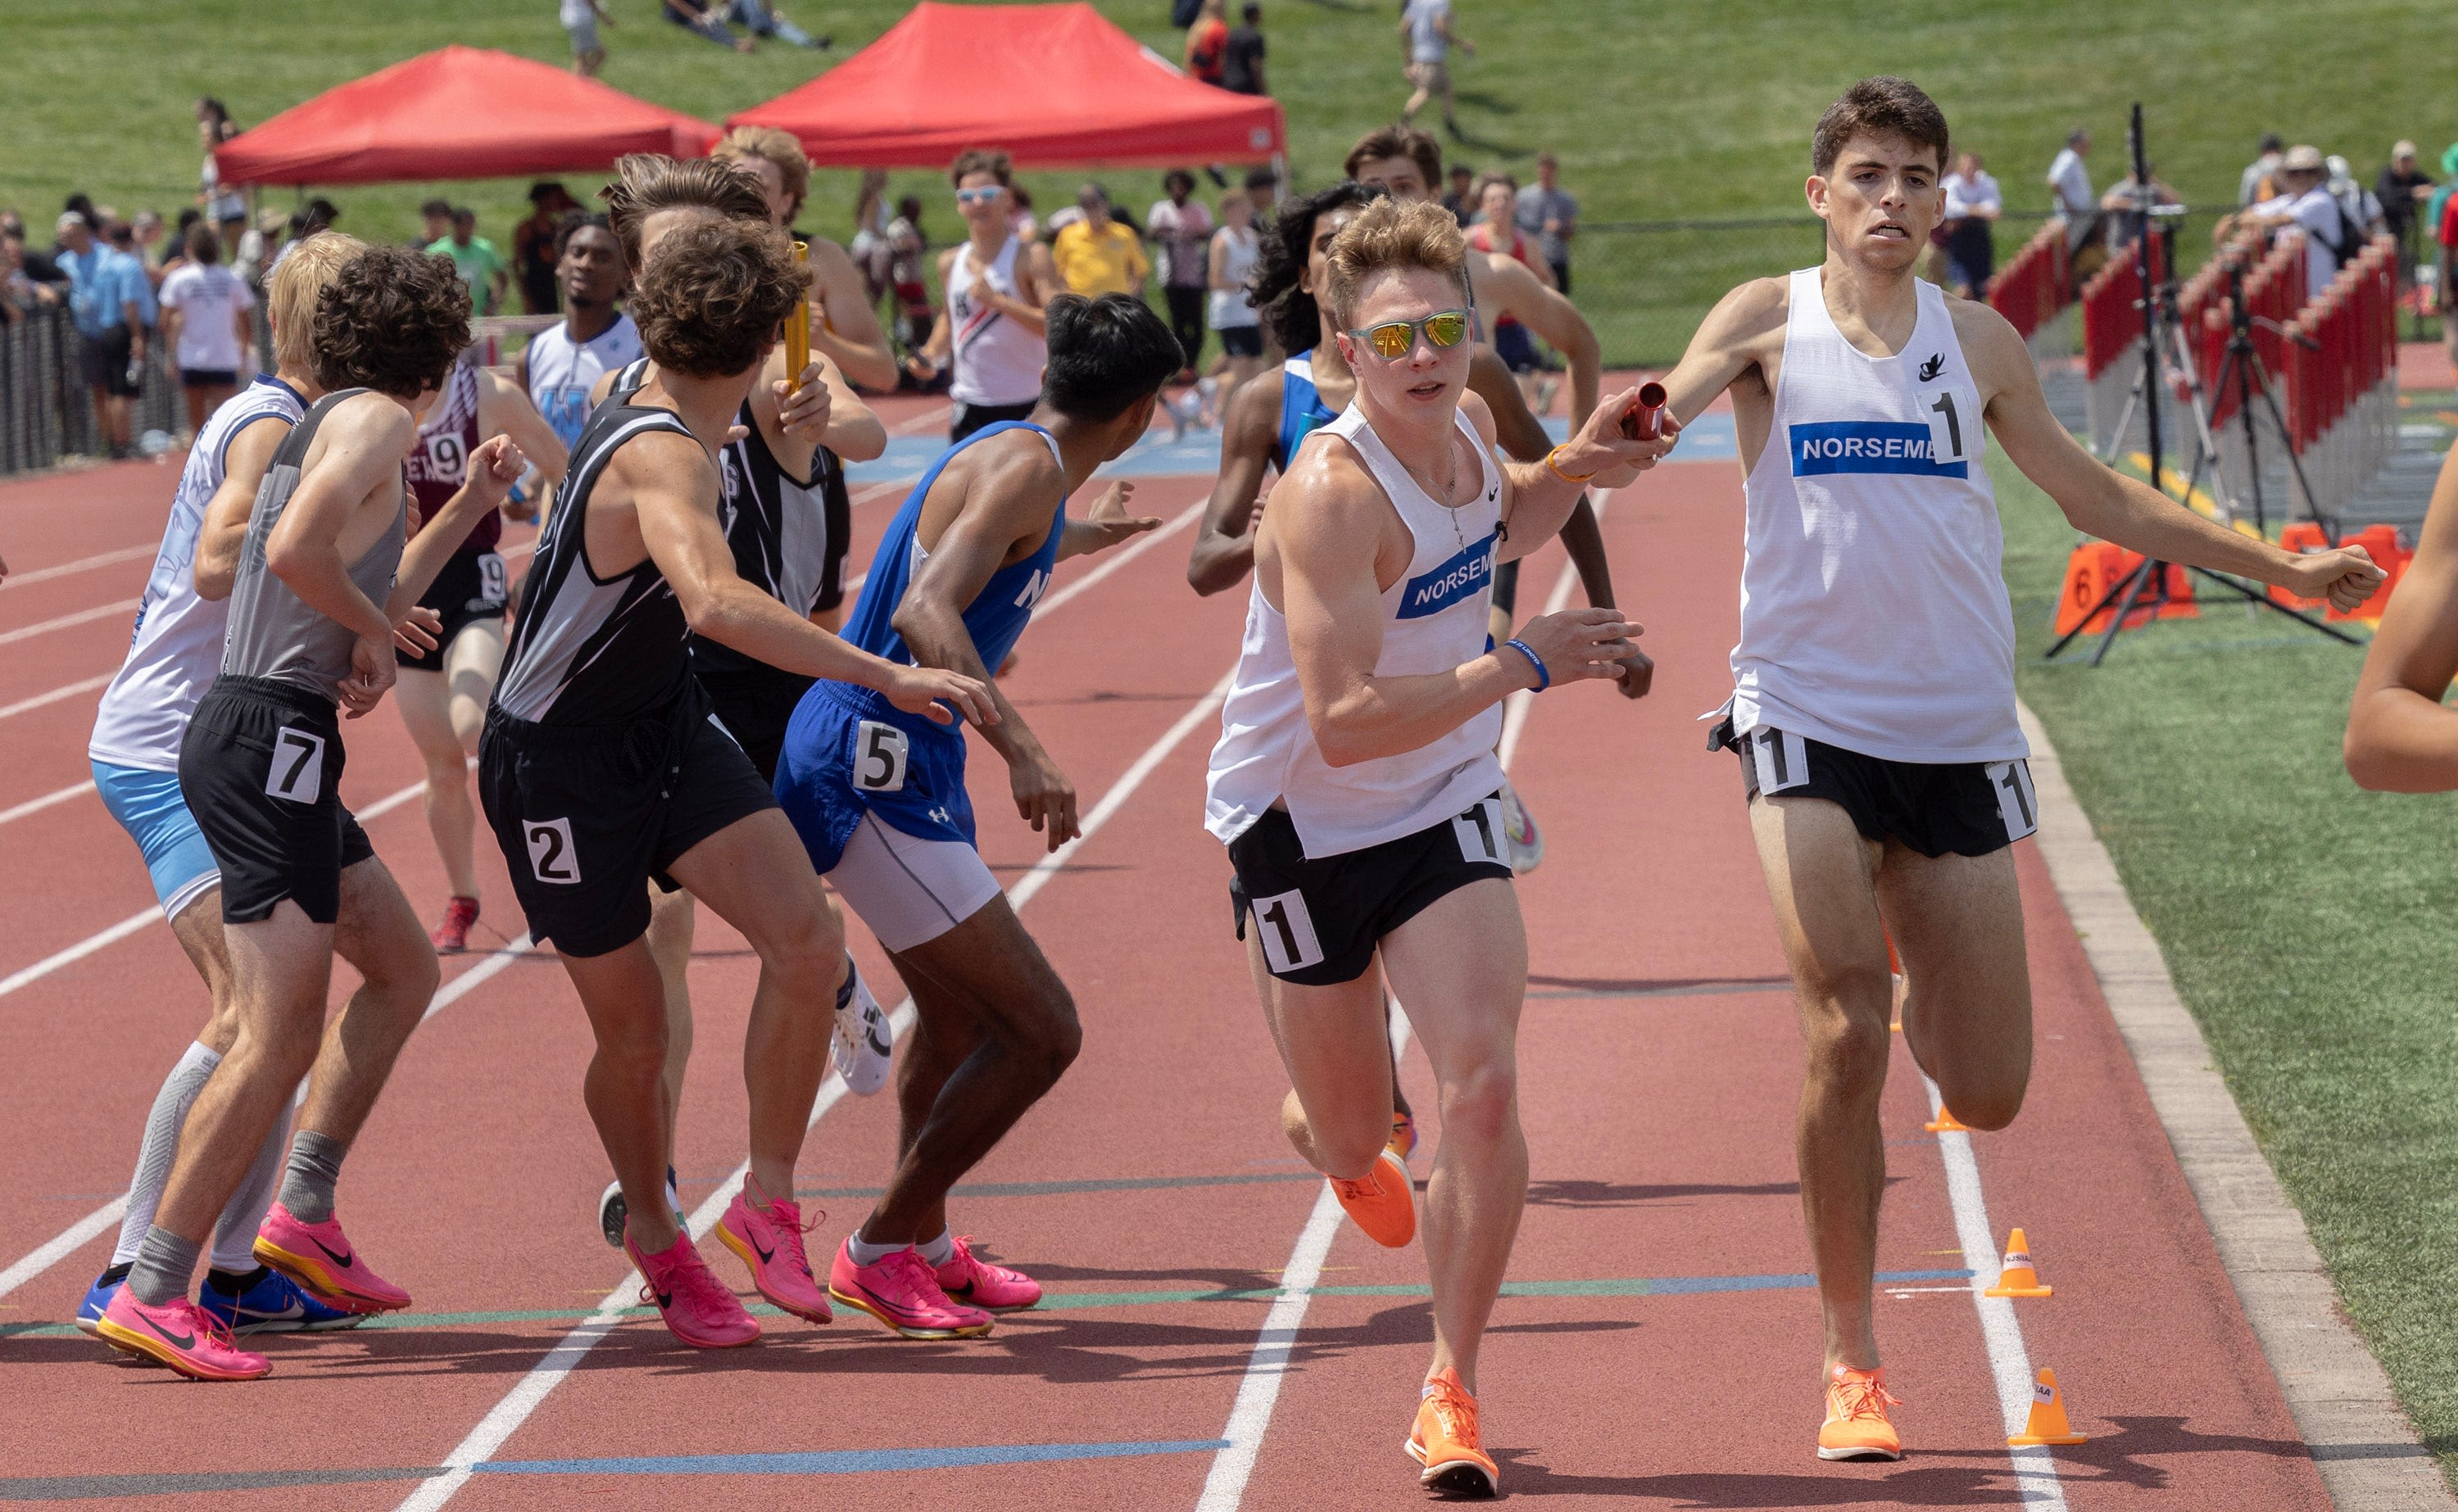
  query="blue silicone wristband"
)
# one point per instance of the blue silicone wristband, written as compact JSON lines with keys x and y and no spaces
{"x":1544,"y":678}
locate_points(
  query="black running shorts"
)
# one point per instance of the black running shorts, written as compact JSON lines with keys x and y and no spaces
{"x":261,"y":767}
{"x":473,"y":585}
{"x":1319,"y":920}
{"x":1970,"y":808}
{"x":588,"y":815}
{"x":755,"y":702}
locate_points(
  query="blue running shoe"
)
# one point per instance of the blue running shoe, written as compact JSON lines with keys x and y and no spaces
{"x":275,"y":1304}
{"x":98,"y":1296}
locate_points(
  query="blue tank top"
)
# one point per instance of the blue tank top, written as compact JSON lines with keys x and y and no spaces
{"x":996,"y":617}
{"x":1301,"y":409}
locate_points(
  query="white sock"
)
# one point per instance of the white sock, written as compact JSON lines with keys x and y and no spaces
{"x":867,"y":1253}
{"x":234,"y":1234}
{"x":938,"y":1250}
{"x":160,"y":1147}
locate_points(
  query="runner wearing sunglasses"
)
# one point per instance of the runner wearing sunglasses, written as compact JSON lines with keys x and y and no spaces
{"x":1355,"y":782}
{"x":989,"y":334}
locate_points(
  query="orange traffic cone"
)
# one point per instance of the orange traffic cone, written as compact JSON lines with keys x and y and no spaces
{"x":2048,"y":1421}
{"x":1946,"y":1123}
{"x":2017,"y":1277}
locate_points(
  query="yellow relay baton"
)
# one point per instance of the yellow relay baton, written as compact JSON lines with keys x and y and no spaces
{"x":798,"y":327}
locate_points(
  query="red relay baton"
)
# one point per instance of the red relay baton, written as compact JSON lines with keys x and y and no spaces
{"x":1644,"y":419}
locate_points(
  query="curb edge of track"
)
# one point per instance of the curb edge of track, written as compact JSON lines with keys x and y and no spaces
{"x":2338,"y":1393}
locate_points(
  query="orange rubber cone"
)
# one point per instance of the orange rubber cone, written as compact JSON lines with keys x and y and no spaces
{"x":2017,"y":1277}
{"x":2048,"y":1421}
{"x":1946,"y":1123}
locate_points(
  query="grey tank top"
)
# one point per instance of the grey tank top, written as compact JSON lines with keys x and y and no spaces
{"x":272,"y":634}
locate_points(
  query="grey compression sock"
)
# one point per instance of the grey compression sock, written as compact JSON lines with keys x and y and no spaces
{"x":307,"y":1184}
{"x":234,"y":1235}
{"x":160,"y":1147}
{"x":165,"y":1264}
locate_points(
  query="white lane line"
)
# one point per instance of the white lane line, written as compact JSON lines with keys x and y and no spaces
{"x":505,"y":1416}
{"x":911,"y":425}
{"x":1250,"y":1415}
{"x":82,"y":616}
{"x":38,"y":805}
{"x":67,"y":690}
{"x":77,"y":1235}
{"x":1118,"y":559}
{"x":26,"y":976}
{"x":2035,"y":1471}
{"x":83,"y":563}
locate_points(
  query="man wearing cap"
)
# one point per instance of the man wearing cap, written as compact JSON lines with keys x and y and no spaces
{"x":2303,"y":201}
{"x":2401,"y":189}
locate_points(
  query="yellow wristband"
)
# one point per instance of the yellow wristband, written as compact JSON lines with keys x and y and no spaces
{"x":1555,"y":467}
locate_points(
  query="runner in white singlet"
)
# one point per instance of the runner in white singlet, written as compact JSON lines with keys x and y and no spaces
{"x":562,"y":365}
{"x":1355,"y":782}
{"x":988,"y":336}
{"x":1873,"y":704}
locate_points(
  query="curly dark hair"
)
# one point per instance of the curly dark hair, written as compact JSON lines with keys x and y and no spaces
{"x":711,"y":298}
{"x":392,"y":320}
{"x":1280,"y":261}
{"x":648,"y":182}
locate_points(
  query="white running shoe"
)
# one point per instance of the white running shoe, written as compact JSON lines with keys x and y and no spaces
{"x":862,"y":1047}
{"x":1519,"y":831}
{"x":613,"y":1211}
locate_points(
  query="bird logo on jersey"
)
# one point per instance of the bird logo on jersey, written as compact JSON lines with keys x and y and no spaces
{"x":1935,"y":365}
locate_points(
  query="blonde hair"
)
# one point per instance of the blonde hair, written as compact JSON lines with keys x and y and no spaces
{"x":770,"y":145}
{"x":1388,"y":235}
{"x":295,"y":289}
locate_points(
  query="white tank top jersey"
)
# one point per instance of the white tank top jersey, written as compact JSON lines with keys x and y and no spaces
{"x":1433,"y":620}
{"x":1874,"y":614}
{"x":996,"y":362}
{"x":177,"y":651}
{"x":562,"y":371}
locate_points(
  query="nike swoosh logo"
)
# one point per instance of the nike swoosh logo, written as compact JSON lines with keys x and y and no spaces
{"x":878,"y":1046}
{"x":290,"y":1313}
{"x":766,"y":1254}
{"x":343,"y":1259}
{"x":182,"y":1340}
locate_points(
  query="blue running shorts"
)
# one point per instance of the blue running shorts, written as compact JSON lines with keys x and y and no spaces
{"x":148,"y":806}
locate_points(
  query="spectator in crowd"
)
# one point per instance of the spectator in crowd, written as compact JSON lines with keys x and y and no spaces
{"x":1241,"y":63}
{"x":1496,"y":229}
{"x":480,"y":265}
{"x":2401,"y":188}
{"x":257,"y":247}
{"x":39,"y":266}
{"x":1020,"y":222}
{"x":2357,"y":206}
{"x":2302,"y":202}
{"x":221,"y":204}
{"x":1426,"y":25}
{"x":436,"y":215}
{"x":1207,"y":43}
{"x":1095,"y":254}
{"x":107,"y":297}
{"x":81,"y":205}
{"x":580,"y":18}
{"x":763,"y":19}
{"x":906,"y":249}
{"x":868,"y":247}
{"x":705,"y":18}
{"x":534,"y":247}
{"x":145,"y":229}
{"x":1460,"y":199}
{"x":1230,"y":313}
{"x":2069,"y":181}
{"x":1263,"y":189}
{"x":1181,"y":233}
{"x":21,"y":292}
{"x":1973,"y":202}
{"x":2124,"y":210}
{"x":207,"y":326}
{"x":2253,"y":186}
{"x":1548,"y":214}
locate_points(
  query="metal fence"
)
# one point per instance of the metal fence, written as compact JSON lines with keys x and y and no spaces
{"x":47,"y":411}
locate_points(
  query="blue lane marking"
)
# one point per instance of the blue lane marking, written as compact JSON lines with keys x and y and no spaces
{"x":852,"y":1461}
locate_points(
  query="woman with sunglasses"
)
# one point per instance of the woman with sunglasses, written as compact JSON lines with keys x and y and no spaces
{"x":991,"y":329}
{"x":1356,"y":786}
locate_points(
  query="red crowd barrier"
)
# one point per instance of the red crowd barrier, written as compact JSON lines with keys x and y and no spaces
{"x":2036,"y":282}
{"x":2111,"y":309}
{"x":2341,"y":392}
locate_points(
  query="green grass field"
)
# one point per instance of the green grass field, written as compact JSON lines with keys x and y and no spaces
{"x":1658,"y":113}
{"x":2308,"y":925}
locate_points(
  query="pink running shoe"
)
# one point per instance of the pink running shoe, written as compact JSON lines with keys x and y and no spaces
{"x":181,"y":1334}
{"x":900,"y":1291}
{"x":320,"y":1259}
{"x":771,"y":1243}
{"x":991,"y":1288}
{"x":451,"y":937}
{"x":698,"y":1309}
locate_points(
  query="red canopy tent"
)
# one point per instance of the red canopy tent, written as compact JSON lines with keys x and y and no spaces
{"x":1052,"y":85}
{"x":459,"y":113}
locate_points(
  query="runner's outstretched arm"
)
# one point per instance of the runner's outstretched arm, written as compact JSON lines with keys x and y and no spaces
{"x":674,"y":494}
{"x":2106,"y":504}
{"x":1539,"y":496}
{"x":1105,"y":524}
{"x":1224,"y":541}
{"x":364,"y":441}
{"x":1725,"y":346}
{"x":2401,"y":738}
{"x":1008,"y":501}
{"x":844,"y":327}
{"x":489,"y":475}
{"x":506,"y":410}
{"x":1514,"y":290}
{"x":1523,"y":436}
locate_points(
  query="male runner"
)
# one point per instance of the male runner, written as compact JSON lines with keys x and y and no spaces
{"x":879,"y":797}
{"x":321,"y":582}
{"x":561,"y":365}
{"x":602,"y":767}
{"x":173,"y":656}
{"x":790,"y":543}
{"x":990,"y":334}
{"x":844,"y":326}
{"x":1873,"y":706}
{"x":1356,"y":787}
{"x":443,"y":690}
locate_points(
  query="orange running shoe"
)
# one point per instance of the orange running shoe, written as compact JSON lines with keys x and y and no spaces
{"x":1447,"y":1442}
{"x":1383,"y":1201}
{"x":1857,"y":1427}
{"x":1402,"y":1142}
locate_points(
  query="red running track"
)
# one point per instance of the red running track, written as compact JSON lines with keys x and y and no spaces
{"x":1661,"y":1344}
